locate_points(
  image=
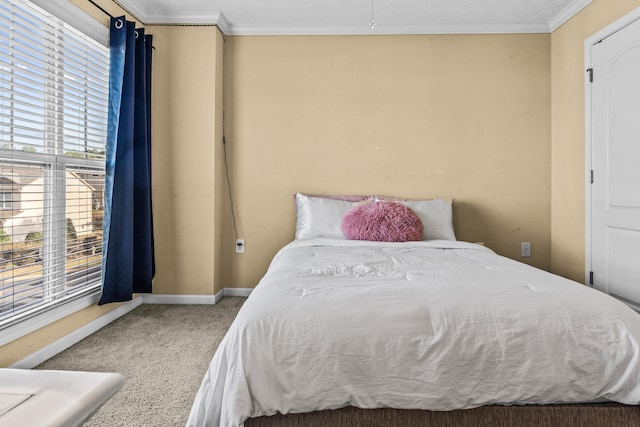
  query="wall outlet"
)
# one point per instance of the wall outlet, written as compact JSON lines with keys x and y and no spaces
{"x":240,"y":246}
{"x":525,"y":249}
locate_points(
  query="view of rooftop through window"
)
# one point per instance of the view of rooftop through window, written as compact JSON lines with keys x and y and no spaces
{"x":53,"y":121}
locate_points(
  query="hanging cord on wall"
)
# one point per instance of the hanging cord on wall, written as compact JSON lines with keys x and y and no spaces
{"x":226,"y":171}
{"x":372,"y":22}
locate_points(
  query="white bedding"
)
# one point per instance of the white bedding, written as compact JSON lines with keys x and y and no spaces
{"x":437,"y":325}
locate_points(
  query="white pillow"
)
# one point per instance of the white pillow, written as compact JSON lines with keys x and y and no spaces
{"x":320,"y":216}
{"x":436,"y":216}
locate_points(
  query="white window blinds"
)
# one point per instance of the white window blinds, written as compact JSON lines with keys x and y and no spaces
{"x":53,"y":121}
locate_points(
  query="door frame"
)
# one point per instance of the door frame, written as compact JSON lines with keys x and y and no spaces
{"x":594,"y":39}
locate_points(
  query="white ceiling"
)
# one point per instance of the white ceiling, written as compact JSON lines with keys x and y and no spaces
{"x":353,"y":16}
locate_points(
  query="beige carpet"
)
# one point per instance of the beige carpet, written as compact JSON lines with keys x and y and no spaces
{"x":163,"y":352}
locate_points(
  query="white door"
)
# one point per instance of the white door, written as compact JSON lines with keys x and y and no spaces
{"x":615,"y":151}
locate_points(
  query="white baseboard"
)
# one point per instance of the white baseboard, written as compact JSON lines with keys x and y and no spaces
{"x":67,"y":341}
{"x":79,"y":334}
{"x":237,"y":292}
{"x":182,"y":299}
{"x":195,"y":299}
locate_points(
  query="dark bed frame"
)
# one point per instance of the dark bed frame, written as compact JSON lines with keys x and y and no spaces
{"x":582,"y":415}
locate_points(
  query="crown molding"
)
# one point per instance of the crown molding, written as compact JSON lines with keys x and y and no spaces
{"x":567,"y":13}
{"x":159,"y":18}
{"x":391,"y":30}
{"x":218,"y":19}
{"x":134,"y":8}
{"x":223,"y":25}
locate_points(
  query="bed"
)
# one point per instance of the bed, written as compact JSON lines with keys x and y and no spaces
{"x":433,"y":330}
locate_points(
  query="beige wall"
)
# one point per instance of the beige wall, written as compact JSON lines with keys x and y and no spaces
{"x":568,"y":133}
{"x":221,"y":195}
{"x":464,"y":116}
{"x":186,"y":144}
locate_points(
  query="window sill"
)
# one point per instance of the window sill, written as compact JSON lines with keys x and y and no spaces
{"x":25,"y":327}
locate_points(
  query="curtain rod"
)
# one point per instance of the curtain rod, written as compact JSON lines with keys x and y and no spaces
{"x":108,"y":14}
{"x":100,"y":7}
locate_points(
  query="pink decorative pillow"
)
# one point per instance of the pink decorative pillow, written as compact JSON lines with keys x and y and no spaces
{"x":382,"y":222}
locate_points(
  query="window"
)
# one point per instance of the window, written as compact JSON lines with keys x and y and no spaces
{"x":53,"y":125}
{"x":5,"y":200}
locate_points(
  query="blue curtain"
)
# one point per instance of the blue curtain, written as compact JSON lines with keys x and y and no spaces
{"x":128,"y":263}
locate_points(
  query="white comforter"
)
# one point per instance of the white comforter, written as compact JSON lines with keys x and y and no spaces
{"x":434,"y":325}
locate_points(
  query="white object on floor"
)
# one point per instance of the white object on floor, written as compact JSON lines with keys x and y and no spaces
{"x":53,"y":398}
